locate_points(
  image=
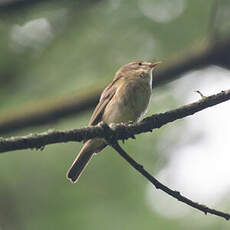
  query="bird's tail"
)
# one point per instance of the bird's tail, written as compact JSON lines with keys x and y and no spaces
{"x":80,"y":163}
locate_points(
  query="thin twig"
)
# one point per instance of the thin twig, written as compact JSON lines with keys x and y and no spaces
{"x":164,"y":188}
{"x":121,"y":131}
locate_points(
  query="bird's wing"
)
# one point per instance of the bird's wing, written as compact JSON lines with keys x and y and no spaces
{"x":106,"y":97}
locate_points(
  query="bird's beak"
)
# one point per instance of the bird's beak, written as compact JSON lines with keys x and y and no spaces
{"x":155,"y":64}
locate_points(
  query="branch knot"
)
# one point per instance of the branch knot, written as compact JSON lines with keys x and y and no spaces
{"x":110,"y":135}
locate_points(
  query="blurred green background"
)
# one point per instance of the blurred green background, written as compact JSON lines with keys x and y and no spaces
{"x":55,"y":49}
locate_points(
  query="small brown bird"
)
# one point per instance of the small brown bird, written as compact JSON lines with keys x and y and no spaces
{"x":125,"y":99}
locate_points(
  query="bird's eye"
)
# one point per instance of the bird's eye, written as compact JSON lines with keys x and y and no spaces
{"x":140,"y":63}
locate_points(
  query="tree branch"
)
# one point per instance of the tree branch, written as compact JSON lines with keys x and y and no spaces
{"x":205,"y":54}
{"x":120,"y":132}
{"x":164,"y":188}
{"x":47,"y":112}
{"x":13,"y":6}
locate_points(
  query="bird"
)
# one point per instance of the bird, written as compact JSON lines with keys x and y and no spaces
{"x":125,"y":99}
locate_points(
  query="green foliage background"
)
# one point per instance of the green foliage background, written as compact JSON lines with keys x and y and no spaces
{"x":90,"y":41}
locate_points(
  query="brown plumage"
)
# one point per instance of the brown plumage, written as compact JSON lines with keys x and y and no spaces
{"x":124,"y":99}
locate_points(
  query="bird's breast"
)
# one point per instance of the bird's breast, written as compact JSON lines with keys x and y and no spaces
{"x":129,"y":103}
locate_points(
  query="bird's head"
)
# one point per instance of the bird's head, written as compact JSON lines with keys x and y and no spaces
{"x":137,"y":69}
